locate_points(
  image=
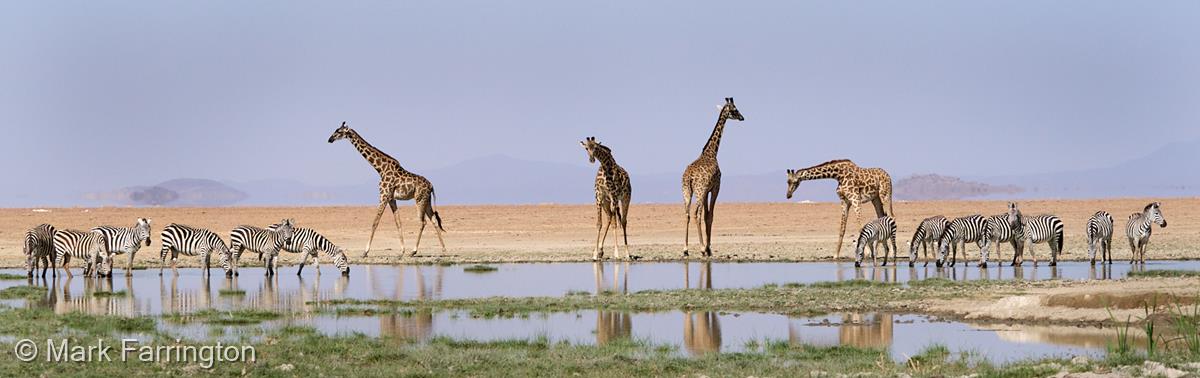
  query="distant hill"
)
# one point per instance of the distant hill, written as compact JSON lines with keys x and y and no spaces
{"x":933,"y":186}
{"x":177,"y":192}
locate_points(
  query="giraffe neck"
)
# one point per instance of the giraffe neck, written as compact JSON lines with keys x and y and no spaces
{"x":379,"y":160}
{"x":607,"y":164}
{"x":714,"y":141}
{"x":837,"y":170}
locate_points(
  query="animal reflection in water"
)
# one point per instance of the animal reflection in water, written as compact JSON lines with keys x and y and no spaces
{"x":701,"y":332}
{"x":704,"y":281}
{"x":871,"y":330}
{"x":403,"y":328}
{"x":619,"y":283}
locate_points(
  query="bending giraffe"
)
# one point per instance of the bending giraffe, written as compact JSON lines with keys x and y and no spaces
{"x":856,"y":186}
{"x":702,"y":179}
{"x":395,"y":184}
{"x":612,"y":197}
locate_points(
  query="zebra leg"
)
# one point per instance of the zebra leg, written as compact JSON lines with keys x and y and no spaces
{"x":129,"y":266}
{"x":1132,"y":251}
{"x":66,"y":265}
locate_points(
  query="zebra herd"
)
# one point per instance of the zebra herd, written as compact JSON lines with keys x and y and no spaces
{"x":1010,"y":227}
{"x":50,"y":248}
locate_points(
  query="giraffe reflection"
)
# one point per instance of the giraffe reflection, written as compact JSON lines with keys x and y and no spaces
{"x":701,"y":332}
{"x":705,"y":280}
{"x":619,"y":282}
{"x":411,"y":327}
{"x":858,"y":330}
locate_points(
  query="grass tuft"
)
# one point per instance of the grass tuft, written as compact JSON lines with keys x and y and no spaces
{"x":480,"y":269}
{"x":10,"y":276}
{"x":231,"y":292}
{"x":1165,"y":273}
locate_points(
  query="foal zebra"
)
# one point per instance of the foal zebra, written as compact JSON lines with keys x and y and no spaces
{"x":1042,"y":229}
{"x":962,"y":230}
{"x":878,"y":231}
{"x":262,"y":241}
{"x":39,"y":248}
{"x":1099,"y":236}
{"x":91,"y":247}
{"x":928,"y":233}
{"x":309,"y":242}
{"x":1138,"y":230}
{"x":1003,"y":228}
{"x":123,"y":240}
{"x":191,"y":241}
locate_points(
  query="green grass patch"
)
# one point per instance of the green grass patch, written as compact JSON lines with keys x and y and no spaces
{"x":480,"y":269}
{"x":1166,"y":273}
{"x":106,"y":294}
{"x":22,"y":292}
{"x":10,"y":276}
{"x":231,"y":292}
{"x":224,"y":317}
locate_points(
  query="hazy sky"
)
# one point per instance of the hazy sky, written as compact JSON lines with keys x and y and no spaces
{"x":242,"y":90}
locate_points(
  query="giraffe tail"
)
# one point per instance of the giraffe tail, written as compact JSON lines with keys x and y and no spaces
{"x":436,"y":217}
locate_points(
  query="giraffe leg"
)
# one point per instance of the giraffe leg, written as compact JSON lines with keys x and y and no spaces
{"x":687,"y":213}
{"x":396,"y":217}
{"x":375,"y":225}
{"x":598,"y":253}
{"x":624,"y":219}
{"x":612,"y":222}
{"x":837,"y":255}
{"x":878,"y":204}
{"x":708,"y":218}
{"x":700,"y":237}
{"x":604,"y":231}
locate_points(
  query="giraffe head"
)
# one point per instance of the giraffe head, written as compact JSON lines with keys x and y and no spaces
{"x":342,"y":132}
{"x":730,"y":111}
{"x":793,"y":181}
{"x":591,"y":145}
{"x":1153,"y":212}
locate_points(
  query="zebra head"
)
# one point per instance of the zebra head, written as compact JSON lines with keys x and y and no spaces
{"x":342,"y":132}
{"x":793,"y":181}
{"x":1153,"y":212}
{"x":730,"y":111}
{"x":102,"y":263}
{"x":340,"y":261}
{"x":142,"y":230}
{"x":591,"y":145}
{"x":285,"y":231}
{"x":1014,"y":216}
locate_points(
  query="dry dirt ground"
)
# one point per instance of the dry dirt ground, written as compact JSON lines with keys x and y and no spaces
{"x":500,"y":233}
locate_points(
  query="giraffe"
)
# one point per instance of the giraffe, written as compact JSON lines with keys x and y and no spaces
{"x":856,"y":186}
{"x":612,"y":196}
{"x":702,"y":178}
{"x":395,"y":184}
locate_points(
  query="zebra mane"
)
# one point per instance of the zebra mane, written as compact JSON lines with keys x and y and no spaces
{"x":1147,"y":208}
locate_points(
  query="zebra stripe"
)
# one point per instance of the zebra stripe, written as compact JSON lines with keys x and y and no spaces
{"x":123,"y":240}
{"x":1099,"y":236}
{"x":880,"y":230}
{"x":1004,"y":228}
{"x":1138,"y":229}
{"x":191,"y":241}
{"x":1043,"y":229}
{"x":39,"y":248}
{"x":90,"y":247}
{"x":262,"y":241}
{"x":309,"y":242}
{"x":928,"y":233}
{"x":962,"y":230}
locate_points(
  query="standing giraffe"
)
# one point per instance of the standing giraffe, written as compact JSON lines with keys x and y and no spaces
{"x":612,"y":196}
{"x":395,"y":184}
{"x":702,"y":178}
{"x":856,"y":186}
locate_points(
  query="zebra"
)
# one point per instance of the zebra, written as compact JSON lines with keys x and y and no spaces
{"x":262,"y":241}
{"x":1003,"y":228}
{"x":878,"y":231}
{"x":123,"y":240}
{"x":39,"y":248}
{"x":963,"y":230}
{"x":1099,"y":235}
{"x":1138,"y":230}
{"x":928,"y":233}
{"x":1042,"y":229}
{"x":91,"y":247}
{"x":191,"y":241}
{"x":309,"y":242}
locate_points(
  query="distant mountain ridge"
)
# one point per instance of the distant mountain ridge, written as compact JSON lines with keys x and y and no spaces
{"x":938,"y":187}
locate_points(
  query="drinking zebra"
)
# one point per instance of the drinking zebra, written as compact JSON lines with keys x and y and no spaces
{"x":122,"y":240}
{"x":260,"y":240}
{"x":928,"y":233}
{"x":192,"y":241}
{"x":91,"y":247}
{"x":1003,"y":228}
{"x":308,"y":242}
{"x":962,"y":230}
{"x":1099,"y":236}
{"x":1042,"y":229}
{"x":39,"y":248}
{"x":878,"y":231}
{"x":1138,"y":230}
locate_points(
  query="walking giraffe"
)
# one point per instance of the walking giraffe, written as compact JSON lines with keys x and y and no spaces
{"x":702,"y":178}
{"x":856,"y":186}
{"x":395,"y":184}
{"x":612,"y":196}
